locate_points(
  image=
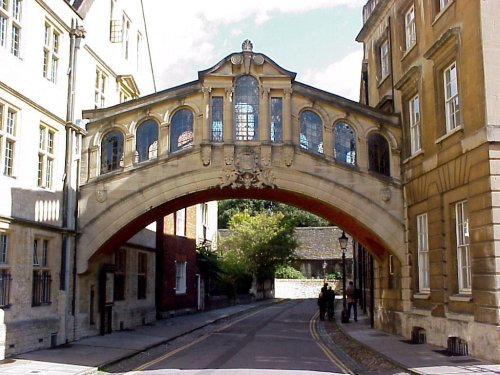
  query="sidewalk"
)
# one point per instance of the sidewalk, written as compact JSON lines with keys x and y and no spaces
{"x":85,"y":356}
{"x":417,"y":358}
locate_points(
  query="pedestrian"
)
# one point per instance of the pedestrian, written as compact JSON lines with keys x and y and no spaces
{"x":322,"y":298}
{"x":330,"y":303}
{"x":352,"y":295}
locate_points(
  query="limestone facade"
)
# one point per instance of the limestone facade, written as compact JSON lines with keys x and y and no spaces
{"x":51,"y":52}
{"x":435,"y":63}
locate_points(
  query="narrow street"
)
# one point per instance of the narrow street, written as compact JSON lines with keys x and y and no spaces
{"x":280,"y":339}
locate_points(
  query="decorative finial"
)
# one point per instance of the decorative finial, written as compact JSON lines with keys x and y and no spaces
{"x":247,"y":46}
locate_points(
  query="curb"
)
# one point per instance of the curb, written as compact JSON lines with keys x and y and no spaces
{"x":389,"y":359}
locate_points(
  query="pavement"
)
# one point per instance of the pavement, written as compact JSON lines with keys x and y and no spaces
{"x":86,"y":356}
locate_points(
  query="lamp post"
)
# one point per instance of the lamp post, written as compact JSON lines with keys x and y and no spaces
{"x":343,"y":245}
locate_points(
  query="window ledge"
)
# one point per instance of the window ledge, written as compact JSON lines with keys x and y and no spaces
{"x":442,"y":11}
{"x":422,"y":296}
{"x":382,"y":80}
{"x":414,"y":156}
{"x":459,"y":128}
{"x":461,"y":298}
{"x":407,"y":52}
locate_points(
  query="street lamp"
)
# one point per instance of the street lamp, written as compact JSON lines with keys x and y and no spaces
{"x":343,"y":245}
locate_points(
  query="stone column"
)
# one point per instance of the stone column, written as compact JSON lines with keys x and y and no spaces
{"x":287,"y":116}
{"x":264,"y":121}
{"x":227,"y":132}
{"x":206,"y":133}
{"x":128,"y":151}
{"x":163,"y":139}
{"x":328,"y":141}
{"x":94,"y":162}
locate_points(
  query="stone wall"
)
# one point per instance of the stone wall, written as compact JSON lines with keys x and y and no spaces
{"x":302,"y":288}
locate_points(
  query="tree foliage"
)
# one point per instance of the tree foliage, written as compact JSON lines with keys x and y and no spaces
{"x":258,"y":243}
{"x":293,"y":216}
{"x":288,"y":272}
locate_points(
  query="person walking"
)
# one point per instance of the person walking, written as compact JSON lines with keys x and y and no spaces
{"x":352,"y":301}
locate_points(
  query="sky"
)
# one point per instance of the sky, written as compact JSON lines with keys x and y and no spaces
{"x":313,"y":38}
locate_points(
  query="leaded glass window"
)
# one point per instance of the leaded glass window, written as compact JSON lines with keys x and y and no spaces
{"x":246,"y":108}
{"x":311,"y":132}
{"x":378,"y":154}
{"x":146,"y":141}
{"x":181,"y":130}
{"x":276,"y":120}
{"x":217,"y":118}
{"x":345,"y":143}
{"x":111,"y":151}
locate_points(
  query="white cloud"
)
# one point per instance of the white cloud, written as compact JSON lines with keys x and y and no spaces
{"x":341,"y":77}
{"x":181,"y":35}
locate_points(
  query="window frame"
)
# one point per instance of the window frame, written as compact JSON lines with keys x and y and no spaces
{"x":451,"y":101}
{"x":415,"y":125}
{"x":180,"y":277}
{"x":9,"y":120}
{"x":423,"y":253}
{"x":100,"y":86}
{"x":346,"y":157}
{"x":246,"y":108}
{"x":142,"y":275}
{"x":217,"y":119}
{"x":180,"y":222}
{"x":116,"y":153}
{"x":181,"y":128}
{"x":311,"y":132}
{"x":410,"y":28}
{"x":462,"y":243}
{"x":276,"y":117}
{"x":150,"y":138}
{"x":384,"y":59}
{"x":46,"y":157}
{"x":11,"y":26}
{"x":120,"y":275}
{"x":42,"y":279}
{"x":52,"y":43}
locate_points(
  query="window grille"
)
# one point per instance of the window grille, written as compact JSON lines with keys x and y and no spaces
{"x":115,"y":31}
{"x":5,"y":281}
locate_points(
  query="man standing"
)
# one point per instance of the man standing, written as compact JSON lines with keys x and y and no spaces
{"x":352,"y":301}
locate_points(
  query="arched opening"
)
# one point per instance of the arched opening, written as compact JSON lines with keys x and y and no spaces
{"x":111,"y":151}
{"x":246,"y":108}
{"x":146,"y":141}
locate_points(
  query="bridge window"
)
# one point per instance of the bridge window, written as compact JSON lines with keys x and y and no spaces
{"x":246,"y":108}
{"x":217,"y":118}
{"x":111,"y":151}
{"x":276,"y":119}
{"x":345,"y":143}
{"x":311,"y":132}
{"x":378,"y":154}
{"x":181,"y":130}
{"x":146,"y":140}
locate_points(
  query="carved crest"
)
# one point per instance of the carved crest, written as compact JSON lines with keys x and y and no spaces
{"x":247,"y":172}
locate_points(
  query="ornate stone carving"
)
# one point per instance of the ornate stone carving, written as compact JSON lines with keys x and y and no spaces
{"x":206,"y":154}
{"x":247,"y":172}
{"x":385,"y":194}
{"x":265,"y":155}
{"x":247,"y":46}
{"x":101,"y":195}
{"x":287,"y":155}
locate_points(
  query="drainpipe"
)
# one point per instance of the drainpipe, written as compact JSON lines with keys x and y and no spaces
{"x":392,"y":61}
{"x":69,"y":198}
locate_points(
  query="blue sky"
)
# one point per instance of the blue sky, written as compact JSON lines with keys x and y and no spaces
{"x":313,"y":38}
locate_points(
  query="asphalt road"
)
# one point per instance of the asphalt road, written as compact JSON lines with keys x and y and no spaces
{"x":279,"y":339}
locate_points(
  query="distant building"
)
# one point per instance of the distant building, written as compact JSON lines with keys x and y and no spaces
{"x":319,"y":252}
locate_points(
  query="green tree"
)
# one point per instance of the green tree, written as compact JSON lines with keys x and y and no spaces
{"x":259,"y":243}
{"x":294,"y":216}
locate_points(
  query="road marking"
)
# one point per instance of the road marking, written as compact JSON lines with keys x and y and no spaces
{"x":330,"y":355}
{"x":184,"y":347}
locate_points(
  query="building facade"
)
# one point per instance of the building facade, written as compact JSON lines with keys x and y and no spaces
{"x":57,"y":58}
{"x":435,"y":63}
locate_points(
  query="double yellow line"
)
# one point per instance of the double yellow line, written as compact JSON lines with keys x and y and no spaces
{"x":330,"y":355}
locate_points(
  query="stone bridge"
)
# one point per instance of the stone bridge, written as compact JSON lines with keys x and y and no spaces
{"x":245,"y":128}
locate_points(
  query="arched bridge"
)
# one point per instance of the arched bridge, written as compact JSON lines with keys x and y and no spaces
{"x":244,"y":128}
